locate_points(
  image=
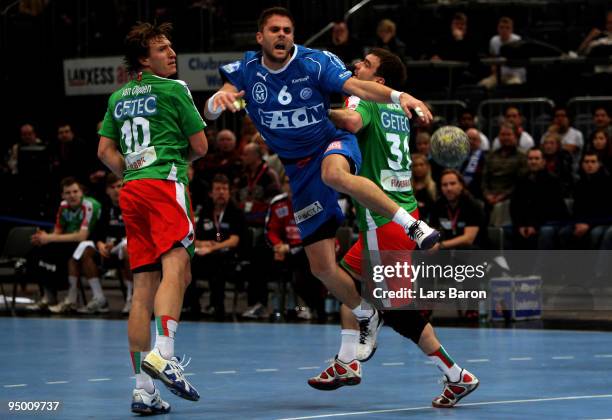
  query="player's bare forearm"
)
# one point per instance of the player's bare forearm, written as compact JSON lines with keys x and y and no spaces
{"x":69,"y":237}
{"x":346,"y":119}
{"x":198,"y":146}
{"x":110,"y":156}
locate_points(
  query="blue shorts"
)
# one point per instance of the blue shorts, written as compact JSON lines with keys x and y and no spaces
{"x":314,"y":203}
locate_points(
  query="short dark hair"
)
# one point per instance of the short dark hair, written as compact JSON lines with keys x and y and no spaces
{"x":220,"y":179}
{"x":265,"y":15}
{"x":68,"y":181}
{"x":138,"y":39}
{"x":111,"y":178}
{"x":590,"y":153}
{"x":535,"y":149}
{"x":460,"y":178}
{"x":391,"y":68}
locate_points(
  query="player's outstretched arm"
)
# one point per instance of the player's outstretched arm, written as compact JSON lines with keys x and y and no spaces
{"x":346,"y":119}
{"x":110,"y":156}
{"x":226,"y":98}
{"x":372,"y":91}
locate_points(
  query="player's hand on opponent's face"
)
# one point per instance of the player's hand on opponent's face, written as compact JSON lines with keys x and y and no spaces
{"x":408,"y":102}
{"x":227,"y":100}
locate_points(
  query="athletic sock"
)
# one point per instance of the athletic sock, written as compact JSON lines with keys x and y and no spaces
{"x":403,"y":218}
{"x":96,"y":289}
{"x":72,"y":290}
{"x":348,"y":345}
{"x":362,"y":313}
{"x":129,"y":286}
{"x":143,"y":381}
{"x":446,"y":364}
{"x":164,"y":339}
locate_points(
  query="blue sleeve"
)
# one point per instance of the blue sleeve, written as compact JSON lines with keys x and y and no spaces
{"x":333,"y":72}
{"x":233,"y":73}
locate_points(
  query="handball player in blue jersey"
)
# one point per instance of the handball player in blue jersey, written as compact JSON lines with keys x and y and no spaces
{"x":286,"y":88}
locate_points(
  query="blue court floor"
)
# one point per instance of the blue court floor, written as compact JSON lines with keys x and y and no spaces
{"x":259,"y":371}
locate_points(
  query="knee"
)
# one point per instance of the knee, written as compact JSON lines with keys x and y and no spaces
{"x":323,"y":271}
{"x":334,"y":177}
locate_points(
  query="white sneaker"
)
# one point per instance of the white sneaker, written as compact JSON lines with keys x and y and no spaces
{"x":304,"y":313}
{"x":41,"y":305}
{"x":423,"y":235}
{"x":336,"y":375}
{"x":254,"y":312}
{"x":368,"y":334}
{"x":64,"y":307}
{"x":170,"y":372}
{"x":95,"y":306}
{"x":127,"y":307}
{"x":145,"y":403}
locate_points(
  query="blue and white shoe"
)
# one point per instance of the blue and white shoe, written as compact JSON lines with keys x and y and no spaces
{"x":148,"y":404}
{"x":368,"y":335}
{"x":170,"y":372}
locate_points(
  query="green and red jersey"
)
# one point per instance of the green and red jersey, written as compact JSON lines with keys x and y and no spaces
{"x":151,"y":119}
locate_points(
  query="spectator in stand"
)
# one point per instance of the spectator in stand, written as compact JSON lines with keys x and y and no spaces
{"x":525,"y":141}
{"x":473,"y":166}
{"x":503,"y":167}
{"x":537,"y":206}
{"x":218,"y":231}
{"x":76,"y":219}
{"x":423,"y":146}
{"x":423,"y":186}
{"x":270,"y":158}
{"x":459,"y":218}
{"x":110,"y":238}
{"x":386,"y":37}
{"x":73,"y":156}
{"x":558,"y":161}
{"x":258,"y":185}
{"x":458,"y":45}
{"x":247,"y":131}
{"x":602,"y":145}
{"x":572,"y":139}
{"x":597,"y":37}
{"x":602,"y":121}
{"x":343,"y":44}
{"x":592,"y":205}
{"x":225,"y":160}
{"x":509,"y":75}
{"x":467,"y":120}
{"x":27,"y":137}
{"x":283,"y":235}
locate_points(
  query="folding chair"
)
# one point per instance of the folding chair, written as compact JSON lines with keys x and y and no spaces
{"x":16,"y":247}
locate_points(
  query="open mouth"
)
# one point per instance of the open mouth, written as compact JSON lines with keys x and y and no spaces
{"x":280,"y":47}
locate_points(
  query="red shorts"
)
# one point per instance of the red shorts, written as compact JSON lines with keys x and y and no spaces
{"x":388,"y":237}
{"x":157,"y":215}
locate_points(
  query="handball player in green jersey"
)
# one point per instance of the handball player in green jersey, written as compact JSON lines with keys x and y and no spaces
{"x":383,"y":132}
{"x":150,"y":133}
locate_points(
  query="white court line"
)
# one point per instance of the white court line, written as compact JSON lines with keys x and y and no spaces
{"x":15,"y":385}
{"x":309,"y":367}
{"x":603,"y":355}
{"x":429,"y":362}
{"x":477,"y":360}
{"x":56,"y":382}
{"x":224,"y":372}
{"x":429,"y":407}
{"x":266,"y":370}
{"x":188,"y":374}
{"x":393,"y":364}
{"x":562,"y":357}
{"x":521,"y":358}
{"x":99,"y":379}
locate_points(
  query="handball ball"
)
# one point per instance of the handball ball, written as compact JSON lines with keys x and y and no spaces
{"x":450,"y":146}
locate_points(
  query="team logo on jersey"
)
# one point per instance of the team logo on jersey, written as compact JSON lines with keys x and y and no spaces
{"x":306,"y":93}
{"x":307,"y":212}
{"x":263,"y":76}
{"x":282,"y":211}
{"x":232,"y":67}
{"x":259,"y":92}
{"x":293,"y":118}
{"x":334,"y":145}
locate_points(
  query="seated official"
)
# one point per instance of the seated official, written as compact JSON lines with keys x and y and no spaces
{"x":218,"y":231}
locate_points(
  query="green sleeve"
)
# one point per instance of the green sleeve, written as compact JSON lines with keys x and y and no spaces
{"x":109,"y":127}
{"x":364,"y":108}
{"x":190,"y":119}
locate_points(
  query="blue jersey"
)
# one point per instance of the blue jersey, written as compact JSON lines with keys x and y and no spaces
{"x":290,"y":106}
